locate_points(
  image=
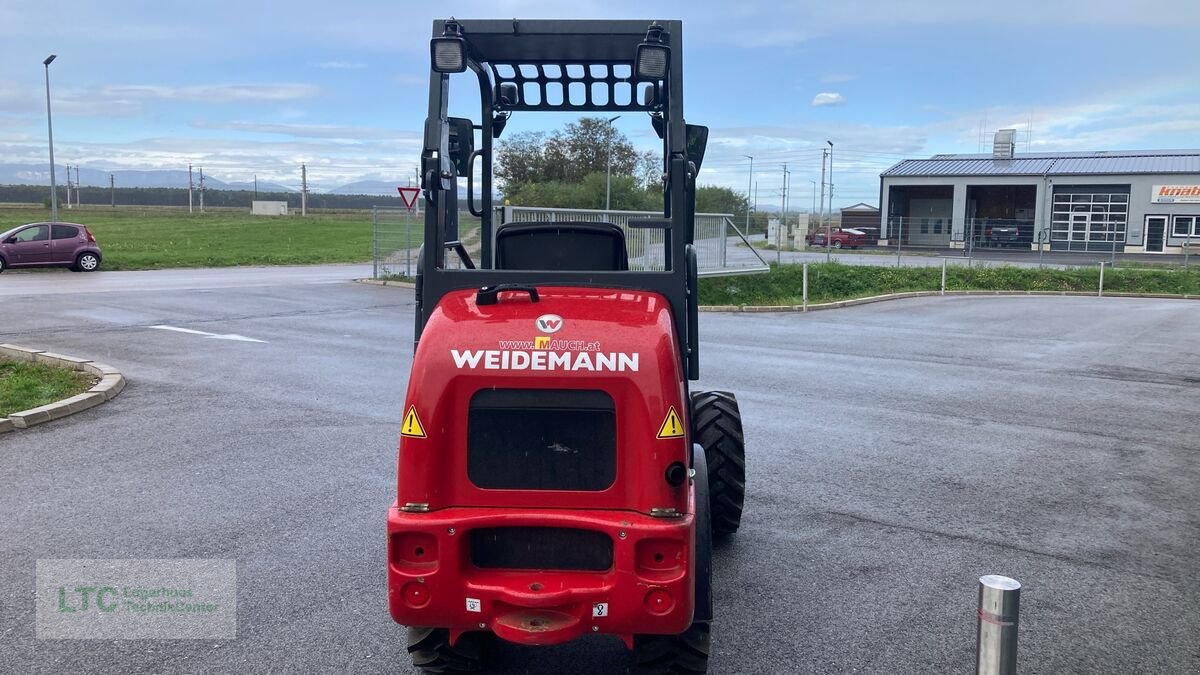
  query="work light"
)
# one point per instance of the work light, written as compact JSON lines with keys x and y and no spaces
{"x":652,"y":55}
{"x":449,"y":52}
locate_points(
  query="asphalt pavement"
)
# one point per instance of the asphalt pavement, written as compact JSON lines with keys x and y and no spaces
{"x":897,"y":451}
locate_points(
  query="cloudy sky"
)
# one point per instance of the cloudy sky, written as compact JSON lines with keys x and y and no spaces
{"x":247,"y":88}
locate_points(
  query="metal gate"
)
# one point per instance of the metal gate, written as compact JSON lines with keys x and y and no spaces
{"x":396,"y":235}
{"x":721,"y":248}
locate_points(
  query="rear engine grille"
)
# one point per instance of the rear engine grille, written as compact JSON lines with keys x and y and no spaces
{"x":541,"y":548}
{"x":540,"y":439}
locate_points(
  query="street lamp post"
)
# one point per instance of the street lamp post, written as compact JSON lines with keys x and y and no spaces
{"x":829,"y":223}
{"x":608,"y":166}
{"x":749,"y":187}
{"x":50,"y":132}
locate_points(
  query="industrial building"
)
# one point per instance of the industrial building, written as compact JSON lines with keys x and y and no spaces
{"x":1140,"y":201}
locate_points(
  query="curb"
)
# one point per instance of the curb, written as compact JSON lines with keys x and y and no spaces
{"x":111,"y":383}
{"x":926,"y":294}
{"x":384,"y":282}
{"x":838,"y":304}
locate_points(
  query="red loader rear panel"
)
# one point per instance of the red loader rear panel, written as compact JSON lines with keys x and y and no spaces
{"x":534,"y":496}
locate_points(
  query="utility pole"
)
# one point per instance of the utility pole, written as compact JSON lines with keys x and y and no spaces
{"x":783,"y":218}
{"x":303,"y":190}
{"x":255,"y":187}
{"x":68,"y":186}
{"x":608,"y":166}
{"x":189,"y":188}
{"x":50,"y":133}
{"x":821,"y":213}
{"x":201,"y":189}
{"x":788,"y":188}
{"x":749,"y":185}
{"x":77,"y":184}
{"x":112,"y":189}
{"x":830,"y":180}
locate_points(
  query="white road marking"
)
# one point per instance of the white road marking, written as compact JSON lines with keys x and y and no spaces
{"x":214,"y":336}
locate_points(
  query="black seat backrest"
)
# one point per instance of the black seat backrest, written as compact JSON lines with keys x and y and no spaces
{"x":583,"y":247}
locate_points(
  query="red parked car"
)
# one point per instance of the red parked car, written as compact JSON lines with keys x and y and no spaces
{"x":847,"y":238}
{"x":50,"y":245}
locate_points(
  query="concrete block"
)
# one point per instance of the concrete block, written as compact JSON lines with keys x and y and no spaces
{"x":31,"y":417}
{"x":6,"y":425}
{"x":99,"y":369}
{"x":60,"y":360}
{"x":18,"y":353}
{"x":109,"y":386}
{"x":81,"y":402}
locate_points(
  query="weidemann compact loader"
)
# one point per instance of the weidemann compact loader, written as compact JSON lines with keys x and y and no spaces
{"x":556,"y":476}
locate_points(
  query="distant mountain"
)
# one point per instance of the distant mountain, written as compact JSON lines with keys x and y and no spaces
{"x":370,"y":187}
{"x":39,"y":174}
{"x":263,"y":186}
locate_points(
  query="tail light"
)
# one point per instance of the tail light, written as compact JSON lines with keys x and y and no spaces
{"x":91,"y":237}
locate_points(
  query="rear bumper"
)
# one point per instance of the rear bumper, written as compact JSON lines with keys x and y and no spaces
{"x":648,"y":589}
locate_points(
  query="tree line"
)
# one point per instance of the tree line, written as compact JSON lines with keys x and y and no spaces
{"x":568,"y":168}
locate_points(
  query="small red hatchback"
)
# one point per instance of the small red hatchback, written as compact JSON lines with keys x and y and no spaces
{"x":50,"y":245}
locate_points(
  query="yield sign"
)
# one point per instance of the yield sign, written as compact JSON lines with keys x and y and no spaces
{"x":409,"y":195}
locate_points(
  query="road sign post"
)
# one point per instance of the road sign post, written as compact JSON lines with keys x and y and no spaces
{"x":409,"y":195}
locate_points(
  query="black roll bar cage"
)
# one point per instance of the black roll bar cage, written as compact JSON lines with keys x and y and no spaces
{"x":533,"y":49}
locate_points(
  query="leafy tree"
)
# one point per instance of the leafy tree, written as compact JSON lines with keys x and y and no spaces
{"x":589,"y":193}
{"x":717,"y":199}
{"x":569,"y":155}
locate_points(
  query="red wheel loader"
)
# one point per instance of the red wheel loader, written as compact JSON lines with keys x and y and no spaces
{"x":556,"y":476}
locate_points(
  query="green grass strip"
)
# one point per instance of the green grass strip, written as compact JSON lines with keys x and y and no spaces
{"x":30,"y":385}
{"x":830,"y":282}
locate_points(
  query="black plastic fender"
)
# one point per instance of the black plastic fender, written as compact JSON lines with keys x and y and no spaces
{"x":703,"y":612}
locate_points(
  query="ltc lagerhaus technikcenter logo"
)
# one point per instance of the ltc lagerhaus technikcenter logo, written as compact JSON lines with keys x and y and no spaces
{"x":136,"y":599}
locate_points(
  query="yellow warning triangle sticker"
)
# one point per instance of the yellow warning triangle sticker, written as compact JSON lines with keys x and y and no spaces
{"x":412,"y":424}
{"x":671,"y":427}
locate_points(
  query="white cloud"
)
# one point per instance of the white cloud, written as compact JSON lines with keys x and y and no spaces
{"x":828,"y":99}
{"x":329,"y":164}
{"x":213,"y":93}
{"x":329,"y":132}
{"x":125,"y":100}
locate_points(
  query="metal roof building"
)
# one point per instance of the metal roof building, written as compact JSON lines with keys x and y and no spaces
{"x":1133,"y":201}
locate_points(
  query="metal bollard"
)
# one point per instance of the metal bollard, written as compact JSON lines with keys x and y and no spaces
{"x":805,"y":287}
{"x":1101,"y":291}
{"x":943,"y":276}
{"x":996,"y":634}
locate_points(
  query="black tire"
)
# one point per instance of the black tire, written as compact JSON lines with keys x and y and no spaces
{"x":3,"y":265}
{"x":837,"y":244}
{"x":87,"y":262}
{"x":432,"y":652}
{"x":684,"y":654}
{"x":717,"y":427}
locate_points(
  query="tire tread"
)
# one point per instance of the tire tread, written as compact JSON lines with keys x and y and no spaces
{"x":717,"y":427}
{"x":685,"y":654}
{"x":432,"y":652}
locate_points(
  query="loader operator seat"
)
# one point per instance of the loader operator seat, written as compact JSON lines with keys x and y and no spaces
{"x":574,"y":246}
